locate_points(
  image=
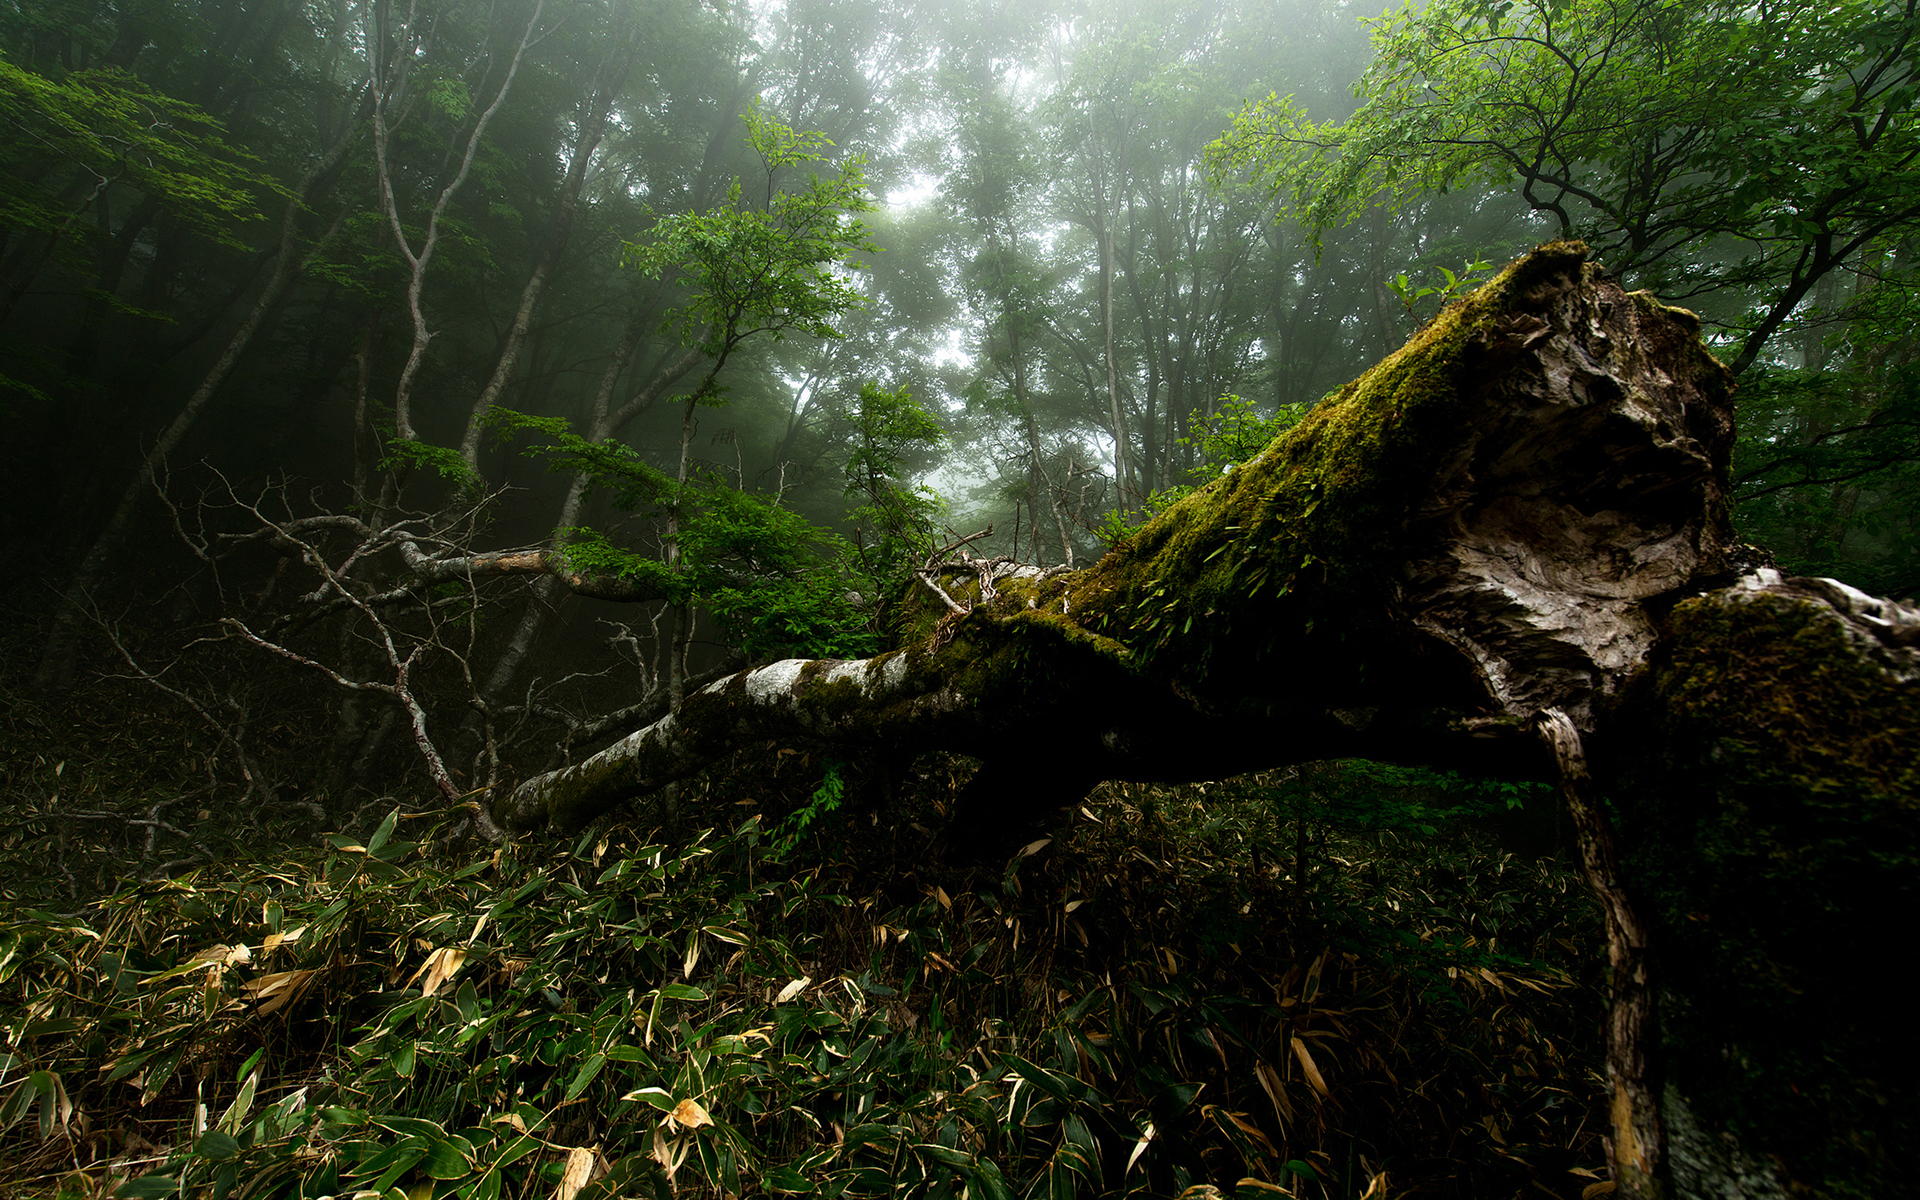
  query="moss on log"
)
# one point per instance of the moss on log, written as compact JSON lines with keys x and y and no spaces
{"x":1484,"y":525}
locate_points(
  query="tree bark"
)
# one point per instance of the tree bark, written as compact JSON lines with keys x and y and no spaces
{"x":1505,"y":549}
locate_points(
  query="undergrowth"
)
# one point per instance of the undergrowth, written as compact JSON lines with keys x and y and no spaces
{"x":1182,"y":992}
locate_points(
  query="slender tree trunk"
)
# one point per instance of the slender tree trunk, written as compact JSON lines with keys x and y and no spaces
{"x":364,"y":449}
{"x":609,"y":77}
{"x":1122,"y":449}
{"x":388,"y":84}
{"x":1638,"y":1137}
{"x":1155,"y":470}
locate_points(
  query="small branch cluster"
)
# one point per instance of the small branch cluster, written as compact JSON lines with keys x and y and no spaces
{"x":395,"y":623}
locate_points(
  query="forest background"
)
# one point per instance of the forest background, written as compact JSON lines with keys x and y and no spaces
{"x":398,"y":402}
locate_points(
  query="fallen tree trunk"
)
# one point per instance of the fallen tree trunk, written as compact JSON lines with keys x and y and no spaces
{"x":1505,"y":549}
{"x":1486,"y":525}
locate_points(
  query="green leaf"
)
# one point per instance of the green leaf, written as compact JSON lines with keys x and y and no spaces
{"x":216,"y":1144}
{"x":992,"y":1184}
{"x":516,"y":1150}
{"x":1041,"y":1078}
{"x":487,"y":1187}
{"x":385,"y":831}
{"x":946,"y":1155}
{"x":412,"y":1126}
{"x":584,"y":1076}
{"x":397,"y":1162}
{"x":448,"y":1158}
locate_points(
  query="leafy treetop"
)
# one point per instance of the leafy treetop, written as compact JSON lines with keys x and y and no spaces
{"x":1786,"y":130}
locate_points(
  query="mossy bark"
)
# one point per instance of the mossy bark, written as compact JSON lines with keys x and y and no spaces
{"x":1765,"y":768}
{"x":1486,"y":538}
{"x":1485,"y":525}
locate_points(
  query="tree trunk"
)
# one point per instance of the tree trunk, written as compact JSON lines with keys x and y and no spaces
{"x":609,"y":77}
{"x":1506,"y":549}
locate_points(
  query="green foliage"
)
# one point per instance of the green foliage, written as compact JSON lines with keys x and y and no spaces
{"x":612,"y":466}
{"x":1827,"y":469}
{"x":363,"y":260}
{"x":1118,"y":526}
{"x":589,"y":552}
{"x":778,"y":584}
{"x":1361,"y":795}
{"x":1827,"y":472}
{"x":776,"y":268}
{"x":1120,"y":1010}
{"x":824,"y":802}
{"x":450,"y":97}
{"x":1453,"y":287}
{"x":444,"y":461}
{"x":1232,"y":434}
{"x":1236,"y":430}
{"x":895,"y":522}
{"x":1749,"y":159}
{"x":97,"y":127}
{"x":1644,"y":126}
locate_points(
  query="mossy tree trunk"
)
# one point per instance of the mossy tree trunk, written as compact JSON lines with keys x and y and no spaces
{"x":1765,"y":772}
{"x":1505,"y":549}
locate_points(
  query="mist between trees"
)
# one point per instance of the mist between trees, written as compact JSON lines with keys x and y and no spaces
{"x":411,"y":399}
{"x":400,"y":260}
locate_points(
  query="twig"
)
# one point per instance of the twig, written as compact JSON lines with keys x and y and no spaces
{"x":927,"y":578}
{"x":220,"y":730}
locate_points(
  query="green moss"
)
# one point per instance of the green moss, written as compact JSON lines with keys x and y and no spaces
{"x":839,"y":697}
{"x":1327,"y":502}
{"x":1209,"y":591}
{"x":1770,"y":805}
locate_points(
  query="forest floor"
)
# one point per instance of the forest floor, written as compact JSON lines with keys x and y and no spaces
{"x":1332,"y":984}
